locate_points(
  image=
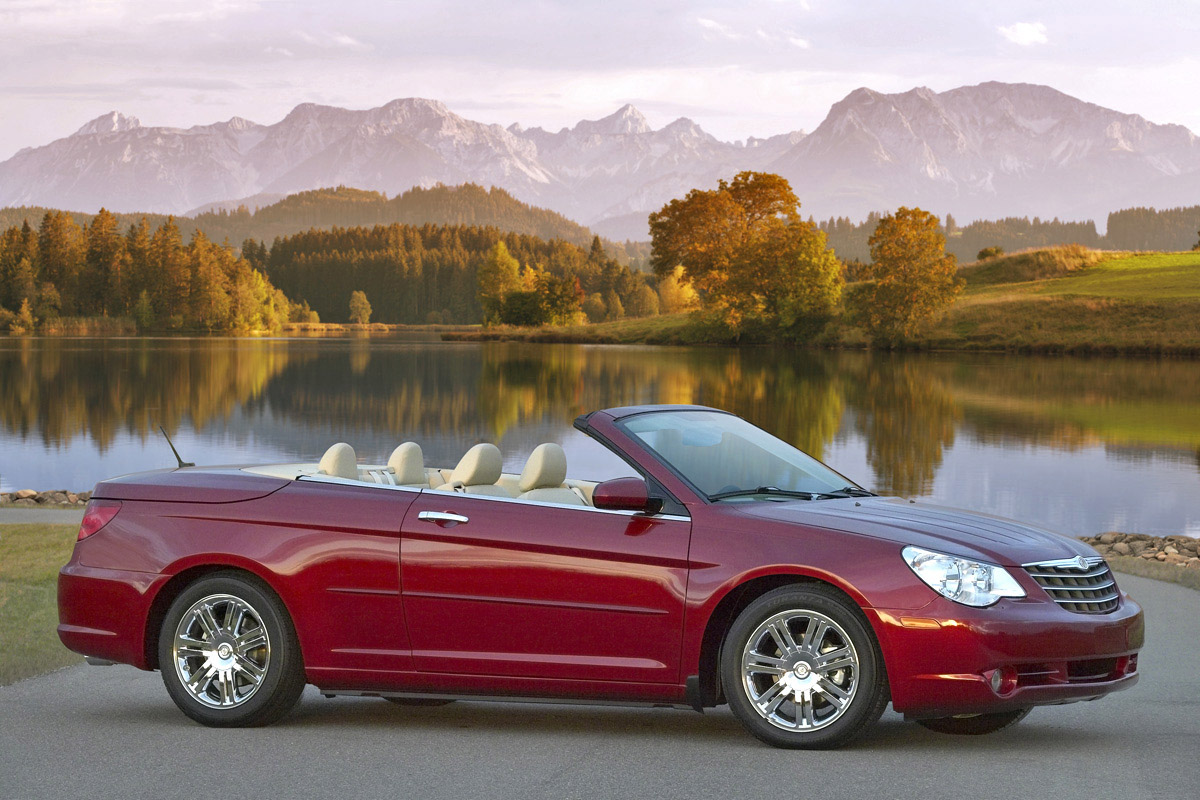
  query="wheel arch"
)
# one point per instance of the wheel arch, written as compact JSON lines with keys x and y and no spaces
{"x":179,"y":582}
{"x":734,"y":600}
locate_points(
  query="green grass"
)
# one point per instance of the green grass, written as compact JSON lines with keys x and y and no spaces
{"x":1149,"y":276}
{"x":1076,"y":300}
{"x":30,"y":557}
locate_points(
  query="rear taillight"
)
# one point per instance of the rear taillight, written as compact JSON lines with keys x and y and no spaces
{"x":97,"y":514}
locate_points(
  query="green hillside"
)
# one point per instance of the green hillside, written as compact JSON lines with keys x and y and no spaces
{"x":1072,"y":299}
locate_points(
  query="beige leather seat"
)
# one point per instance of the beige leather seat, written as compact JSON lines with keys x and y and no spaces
{"x":543,"y":476}
{"x":407,"y":463}
{"x":339,"y":462}
{"x":477,"y":472}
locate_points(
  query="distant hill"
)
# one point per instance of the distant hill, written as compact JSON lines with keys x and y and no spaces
{"x":469,"y":205}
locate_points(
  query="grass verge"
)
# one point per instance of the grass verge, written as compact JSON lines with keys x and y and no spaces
{"x":30,"y":558}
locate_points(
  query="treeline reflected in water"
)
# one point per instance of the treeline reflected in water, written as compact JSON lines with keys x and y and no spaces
{"x":906,"y":410}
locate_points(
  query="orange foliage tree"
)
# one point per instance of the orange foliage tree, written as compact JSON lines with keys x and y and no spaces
{"x":910,"y":279}
{"x":747,"y":253}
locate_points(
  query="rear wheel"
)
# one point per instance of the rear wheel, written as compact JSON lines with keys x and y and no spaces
{"x":975,"y":724}
{"x":801,"y":669}
{"x":228,"y":653}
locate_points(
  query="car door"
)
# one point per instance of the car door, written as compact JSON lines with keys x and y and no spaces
{"x":515,"y":588}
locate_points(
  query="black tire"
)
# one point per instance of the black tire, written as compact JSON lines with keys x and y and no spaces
{"x":976,"y":724}
{"x":419,"y":702}
{"x":823,"y":716}
{"x":247,"y":669}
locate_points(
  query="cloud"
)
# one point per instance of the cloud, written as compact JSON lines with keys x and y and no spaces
{"x":713,"y":26}
{"x":1024,"y":33}
{"x":785,"y":36}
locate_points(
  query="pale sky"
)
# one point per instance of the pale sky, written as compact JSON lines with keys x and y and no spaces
{"x":752,"y":68}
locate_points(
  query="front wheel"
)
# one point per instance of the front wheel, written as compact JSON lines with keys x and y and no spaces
{"x":228,"y":653}
{"x":975,"y":724}
{"x":801,"y":669}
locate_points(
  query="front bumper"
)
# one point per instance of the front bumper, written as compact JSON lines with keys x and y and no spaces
{"x":941,"y":659}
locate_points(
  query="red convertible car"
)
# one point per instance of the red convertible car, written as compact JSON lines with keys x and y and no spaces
{"x":732,"y":569}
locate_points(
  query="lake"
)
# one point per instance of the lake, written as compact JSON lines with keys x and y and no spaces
{"x":1073,"y":444}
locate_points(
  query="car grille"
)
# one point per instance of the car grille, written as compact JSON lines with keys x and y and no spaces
{"x":1083,"y":585}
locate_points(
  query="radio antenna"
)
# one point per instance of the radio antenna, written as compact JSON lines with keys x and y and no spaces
{"x":170,"y":444}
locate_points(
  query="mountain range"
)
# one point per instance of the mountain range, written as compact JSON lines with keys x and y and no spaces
{"x":991,"y":150}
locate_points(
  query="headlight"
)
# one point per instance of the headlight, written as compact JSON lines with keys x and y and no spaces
{"x":972,"y":583}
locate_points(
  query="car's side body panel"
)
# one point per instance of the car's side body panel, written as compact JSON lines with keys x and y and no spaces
{"x":331,"y":552}
{"x":543,"y":591}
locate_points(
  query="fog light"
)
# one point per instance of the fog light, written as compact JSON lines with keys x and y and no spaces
{"x":1003,"y":680}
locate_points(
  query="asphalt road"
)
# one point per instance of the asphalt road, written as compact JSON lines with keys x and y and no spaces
{"x":112,"y":732}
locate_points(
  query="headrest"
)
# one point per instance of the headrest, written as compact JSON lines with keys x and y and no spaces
{"x":339,"y":461}
{"x":545,"y":469}
{"x":408,"y":462}
{"x":481,"y":465}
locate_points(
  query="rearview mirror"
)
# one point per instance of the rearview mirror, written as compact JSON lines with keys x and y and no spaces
{"x":626,"y":494}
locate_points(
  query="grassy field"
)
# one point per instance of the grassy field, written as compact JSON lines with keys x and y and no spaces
{"x":30,"y":558}
{"x":1076,"y":300}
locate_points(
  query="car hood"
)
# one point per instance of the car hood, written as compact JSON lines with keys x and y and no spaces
{"x":947,"y":530}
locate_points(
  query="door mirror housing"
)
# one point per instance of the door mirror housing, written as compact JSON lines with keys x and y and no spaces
{"x":626,"y":494}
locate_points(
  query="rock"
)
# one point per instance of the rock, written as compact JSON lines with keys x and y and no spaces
{"x":1138,"y":537}
{"x":4,"y":498}
{"x":1111,"y":537}
{"x":72,"y":498}
{"x":56,"y":497}
{"x":85,"y":496}
{"x":1193,"y":563}
{"x":25,"y":501}
{"x":26,"y":494}
{"x":1121,"y":548}
{"x":1170,"y":550}
{"x":1175,"y":558}
{"x":1137,"y":546}
{"x":1158,"y":556}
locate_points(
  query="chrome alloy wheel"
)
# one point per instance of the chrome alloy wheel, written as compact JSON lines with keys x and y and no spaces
{"x":221,"y":651}
{"x":800,"y":670}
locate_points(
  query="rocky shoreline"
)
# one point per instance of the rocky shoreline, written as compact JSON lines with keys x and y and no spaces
{"x":1182,"y":551}
{"x":28,"y":498}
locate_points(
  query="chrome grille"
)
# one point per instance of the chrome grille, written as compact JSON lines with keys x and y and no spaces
{"x":1082,"y":585}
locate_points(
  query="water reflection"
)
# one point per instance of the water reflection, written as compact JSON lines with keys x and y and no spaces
{"x":1119,"y":439}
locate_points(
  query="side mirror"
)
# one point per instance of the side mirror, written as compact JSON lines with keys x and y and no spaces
{"x":626,"y":494}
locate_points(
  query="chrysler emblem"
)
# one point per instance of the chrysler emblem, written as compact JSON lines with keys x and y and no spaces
{"x":1081,"y":562}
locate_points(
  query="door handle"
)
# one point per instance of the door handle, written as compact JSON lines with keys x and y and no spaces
{"x":443,"y":518}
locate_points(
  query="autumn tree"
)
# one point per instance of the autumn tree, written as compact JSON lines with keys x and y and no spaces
{"x":104,"y":282}
{"x":747,"y":253}
{"x":910,"y":279}
{"x":675,"y":294}
{"x":360,"y":307}
{"x":498,"y":276}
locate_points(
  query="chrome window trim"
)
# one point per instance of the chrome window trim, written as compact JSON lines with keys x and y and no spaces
{"x":463,"y":495}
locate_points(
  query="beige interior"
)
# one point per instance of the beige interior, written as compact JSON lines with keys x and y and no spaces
{"x":478,"y":472}
{"x":544,"y":475}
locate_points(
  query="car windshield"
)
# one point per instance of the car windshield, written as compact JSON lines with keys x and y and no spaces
{"x":724,"y":456}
